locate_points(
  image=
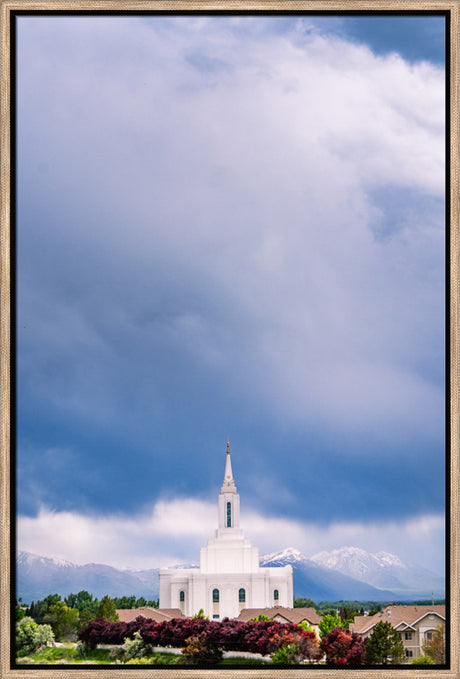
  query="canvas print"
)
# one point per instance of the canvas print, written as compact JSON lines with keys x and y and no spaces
{"x":231,"y":304}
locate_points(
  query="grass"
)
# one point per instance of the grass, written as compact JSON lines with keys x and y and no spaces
{"x":67,"y":654}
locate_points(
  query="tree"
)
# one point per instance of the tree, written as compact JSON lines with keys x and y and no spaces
{"x":302,"y":602}
{"x":41,"y":608}
{"x":343,"y":647}
{"x":305,"y":625}
{"x":435,"y":648}
{"x":63,"y":620}
{"x":328,"y":623}
{"x":86,"y":601}
{"x":85,"y":618}
{"x":384,"y":645}
{"x":30,"y":636}
{"x":107,"y":610}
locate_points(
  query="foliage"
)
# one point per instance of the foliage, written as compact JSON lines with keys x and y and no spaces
{"x":260,"y":617}
{"x":305,"y":625}
{"x":343,"y":647}
{"x":291,"y":646}
{"x":30,"y":636}
{"x":38,"y":610}
{"x":200,"y":649}
{"x":83,"y":601}
{"x":85,"y":618}
{"x":328,"y":623}
{"x":287,"y":655}
{"x":423,"y":660}
{"x":302,"y":602}
{"x":254,"y":637}
{"x":135,"y":648}
{"x":20,"y":613}
{"x":385,"y":645}
{"x":133,"y":602}
{"x":107,"y":610}
{"x":64,"y":621}
{"x":435,"y":647}
{"x":200,"y":615}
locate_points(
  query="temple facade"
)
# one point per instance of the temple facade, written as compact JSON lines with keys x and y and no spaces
{"x":229,"y":578}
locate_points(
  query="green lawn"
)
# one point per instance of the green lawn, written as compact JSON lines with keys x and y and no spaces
{"x":67,"y":654}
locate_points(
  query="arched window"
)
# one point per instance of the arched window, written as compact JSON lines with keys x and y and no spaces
{"x":242,"y":595}
{"x":215,"y":595}
{"x":229,"y":514}
{"x":182,"y":596}
{"x":276,"y":595}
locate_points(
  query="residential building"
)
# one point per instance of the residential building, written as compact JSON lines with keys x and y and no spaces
{"x":282,"y":614}
{"x":415,"y":624}
{"x":128,"y":614}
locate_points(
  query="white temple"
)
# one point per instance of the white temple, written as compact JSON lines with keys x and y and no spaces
{"x":229,"y":577}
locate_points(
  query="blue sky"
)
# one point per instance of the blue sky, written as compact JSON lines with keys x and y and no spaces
{"x":230,"y":227}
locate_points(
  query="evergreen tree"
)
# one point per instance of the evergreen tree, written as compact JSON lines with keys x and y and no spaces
{"x":107,"y":610}
{"x":384,"y":645}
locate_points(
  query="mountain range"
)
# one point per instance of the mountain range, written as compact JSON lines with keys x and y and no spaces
{"x":348,"y":573}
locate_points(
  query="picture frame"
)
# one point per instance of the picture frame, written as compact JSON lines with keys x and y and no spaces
{"x":12,"y":8}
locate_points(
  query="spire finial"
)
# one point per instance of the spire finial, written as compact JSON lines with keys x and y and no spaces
{"x":228,"y":446}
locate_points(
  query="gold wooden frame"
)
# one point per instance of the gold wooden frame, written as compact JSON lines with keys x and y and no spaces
{"x":6,"y":9}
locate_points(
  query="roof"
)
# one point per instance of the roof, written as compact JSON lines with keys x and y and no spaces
{"x":294,"y":615}
{"x":157,"y":614}
{"x":400,"y":617}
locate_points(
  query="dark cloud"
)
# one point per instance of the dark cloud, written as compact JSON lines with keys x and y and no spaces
{"x":196,"y":263}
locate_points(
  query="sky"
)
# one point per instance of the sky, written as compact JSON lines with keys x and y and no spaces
{"x":230,"y":227}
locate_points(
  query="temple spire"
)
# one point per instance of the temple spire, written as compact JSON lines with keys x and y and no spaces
{"x":228,"y":485}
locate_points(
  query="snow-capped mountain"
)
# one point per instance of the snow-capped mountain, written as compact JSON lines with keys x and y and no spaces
{"x":322,"y":584}
{"x":343,"y":574}
{"x":38,"y":576}
{"x":382,"y":570}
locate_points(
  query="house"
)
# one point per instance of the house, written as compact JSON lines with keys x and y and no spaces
{"x":415,"y":624}
{"x":128,"y":614}
{"x":230,"y":577}
{"x":282,"y":614}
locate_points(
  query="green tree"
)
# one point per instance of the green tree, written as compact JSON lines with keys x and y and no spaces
{"x":63,"y":620}
{"x":107,"y":610}
{"x":384,"y":645}
{"x":41,"y":608}
{"x":86,"y":601}
{"x":30,"y":636}
{"x":301,"y":602}
{"x":305,"y":625}
{"x":435,"y":648}
{"x":328,"y":623}
{"x":85,"y":618}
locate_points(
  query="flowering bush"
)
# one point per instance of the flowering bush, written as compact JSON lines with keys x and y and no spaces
{"x":199,"y":649}
{"x":293,"y":646}
{"x":264,"y":637}
{"x":343,"y":647}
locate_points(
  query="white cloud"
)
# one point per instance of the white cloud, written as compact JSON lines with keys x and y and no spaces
{"x":173,"y":531}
